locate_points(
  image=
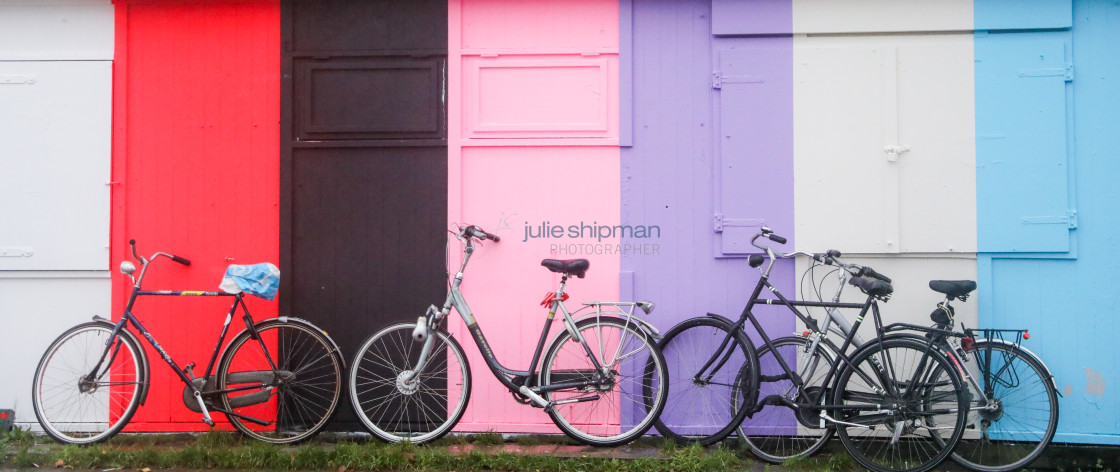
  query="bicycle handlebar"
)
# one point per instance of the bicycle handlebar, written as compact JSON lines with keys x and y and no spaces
{"x":132,"y":245}
{"x":830,"y":257}
{"x":479,"y":233}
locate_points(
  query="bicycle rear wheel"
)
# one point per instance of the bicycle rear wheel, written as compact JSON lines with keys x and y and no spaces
{"x":778,"y":433}
{"x":908,"y":416}
{"x":74,"y":408}
{"x":287,"y":403}
{"x":418,"y":411}
{"x":700,"y":407}
{"x":607,"y":410}
{"x":1012,"y":431}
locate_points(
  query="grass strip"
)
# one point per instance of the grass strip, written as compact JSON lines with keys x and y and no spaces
{"x":227,"y":451}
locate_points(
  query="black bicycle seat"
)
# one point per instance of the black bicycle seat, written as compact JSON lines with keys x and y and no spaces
{"x":873,"y":287}
{"x":953,"y":288}
{"x":576,"y":267}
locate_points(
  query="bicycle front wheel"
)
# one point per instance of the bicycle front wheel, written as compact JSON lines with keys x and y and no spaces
{"x":283,"y":386}
{"x":904,"y":406}
{"x":1013,"y":427}
{"x":604,"y":408}
{"x":419,"y":410}
{"x":85,"y":389}
{"x":705,"y":360}
{"x":779,"y":433}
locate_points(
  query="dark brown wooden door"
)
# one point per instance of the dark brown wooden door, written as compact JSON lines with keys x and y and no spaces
{"x":364,"y":165}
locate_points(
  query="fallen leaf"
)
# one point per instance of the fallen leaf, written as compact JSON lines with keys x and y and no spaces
{"x":342,"y":469}
{"x":59,"y":463}
{"x":145,"y":470}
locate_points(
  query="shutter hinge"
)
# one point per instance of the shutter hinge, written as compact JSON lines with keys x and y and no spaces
{"x":717,"y":83}
{"x":718,"y":79}
{"x":1069,"y":72}
{"x":718,"y":223}
{"x":1070,"y":220}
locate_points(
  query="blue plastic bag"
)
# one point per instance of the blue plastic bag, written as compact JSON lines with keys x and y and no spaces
{"x":261,"y":280}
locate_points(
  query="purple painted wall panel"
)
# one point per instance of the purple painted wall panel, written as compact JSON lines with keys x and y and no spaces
{"x":674,"y":176}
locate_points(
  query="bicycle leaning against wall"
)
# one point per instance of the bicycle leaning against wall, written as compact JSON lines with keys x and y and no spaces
{"x":411,"y":381}
{"x":1013,"y":410}
{"x":897,"y":403}
{"x":279,"y":380}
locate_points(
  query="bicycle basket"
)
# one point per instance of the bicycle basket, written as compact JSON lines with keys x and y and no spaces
{"x":261,"y":280}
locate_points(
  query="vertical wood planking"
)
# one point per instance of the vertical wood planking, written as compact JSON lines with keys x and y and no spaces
{"x":196,"y":149}
{"x":533,"y":138}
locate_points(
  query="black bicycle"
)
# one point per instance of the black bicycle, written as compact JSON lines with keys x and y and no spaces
{"x":1013,"y":411}
{"x":897,"y":403}
{"x":278,"y":380}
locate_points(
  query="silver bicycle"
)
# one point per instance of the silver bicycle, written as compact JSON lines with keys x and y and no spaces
{"x":411,"y":381}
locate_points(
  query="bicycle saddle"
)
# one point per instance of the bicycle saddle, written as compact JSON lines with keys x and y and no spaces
{"x":953,"y":288}
{"x":576,"y":267}
{"x":872,"y":287}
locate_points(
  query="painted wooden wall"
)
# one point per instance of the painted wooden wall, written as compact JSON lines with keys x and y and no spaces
{"x":1046,"y":80}
{"x":196,"y":151}
{"x":56,"y":63}
{"x":930,"y":139}
{"x":532,"y":138}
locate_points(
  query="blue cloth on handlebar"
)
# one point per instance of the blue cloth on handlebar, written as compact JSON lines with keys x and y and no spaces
{"x":262,"y":280}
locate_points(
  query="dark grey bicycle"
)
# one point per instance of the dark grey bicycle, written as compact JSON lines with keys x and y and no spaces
{"x":279,"y":380}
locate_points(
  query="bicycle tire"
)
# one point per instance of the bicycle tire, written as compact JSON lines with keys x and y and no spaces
{"x":387,"y":407}
{"x":621,"y":408}
{"x":1023,"y":429}
{"x":699,"y":411}
{"x":917,"y":425}
{"x":297,"y":397}
{"x":77,"y":418}
{"x":778,"y":433}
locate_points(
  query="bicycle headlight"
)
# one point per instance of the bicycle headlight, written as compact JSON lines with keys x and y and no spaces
{"x":127,"y":268}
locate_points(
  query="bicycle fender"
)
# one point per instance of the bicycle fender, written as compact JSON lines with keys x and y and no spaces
{"x":721,"y":318}
{"x":146,"y":371}
{"x":1049,"y":372}
{"x":291,"y":319}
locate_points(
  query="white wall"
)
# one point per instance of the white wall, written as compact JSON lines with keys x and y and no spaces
{"x":55,"y":142}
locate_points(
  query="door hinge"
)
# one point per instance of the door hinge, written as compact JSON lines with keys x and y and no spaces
{"x":1070,"y":220}
{"x":719,"y":223}
{"x":718,"y":79}
{"x":1064,"y":72}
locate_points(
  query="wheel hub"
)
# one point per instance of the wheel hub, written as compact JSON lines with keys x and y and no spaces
{"x":407,"y":387}
{"x":86,"y":385}
{"x":993,"y":412}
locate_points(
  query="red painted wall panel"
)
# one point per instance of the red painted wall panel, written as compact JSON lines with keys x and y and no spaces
{"x":196,"y":166}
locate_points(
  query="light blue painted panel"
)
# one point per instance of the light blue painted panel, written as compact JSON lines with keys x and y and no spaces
{"x":1021,"y":144}
{"x":1071,"y":305}
{"x":1022,"y":14}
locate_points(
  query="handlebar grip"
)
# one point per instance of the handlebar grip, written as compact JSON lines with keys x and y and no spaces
{"x":482,"y":234}
{"x":833,"y":253}
{"x":181,"y":260}
{"x":776,"y":238}
{"x":131,"y":242}
{"x":871,"y":272}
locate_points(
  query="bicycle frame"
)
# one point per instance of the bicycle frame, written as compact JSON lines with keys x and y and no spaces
{"x":506,"y":375}
{"x":129,"y":318}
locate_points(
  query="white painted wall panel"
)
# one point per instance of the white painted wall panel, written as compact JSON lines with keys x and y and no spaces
{"x":56,"y":30}
{"x":863,"y":16}
{"x":38,"y":310}
{"x":55,"y":120}
{"x":857,"y":97}
{"x":912,"y":300}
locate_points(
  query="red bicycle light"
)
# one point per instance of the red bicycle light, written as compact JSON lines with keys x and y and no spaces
{"x":1026,"y":334}
{"x":968,"y":343}
{"x":3,"y":415}
{"x":805,"y":334}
